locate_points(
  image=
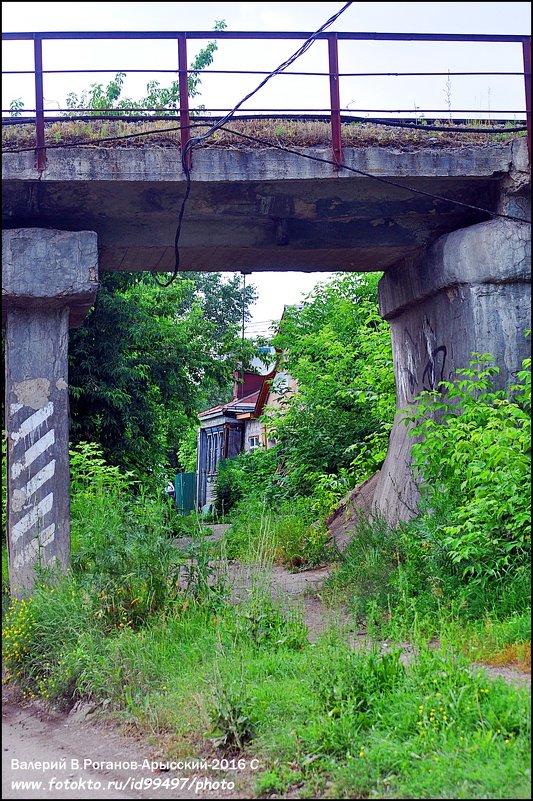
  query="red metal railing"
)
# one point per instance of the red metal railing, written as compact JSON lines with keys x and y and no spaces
{"x":335,"y":112}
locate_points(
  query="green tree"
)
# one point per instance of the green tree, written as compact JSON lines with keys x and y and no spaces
{"x":338,"y":349}
{"x":161,"y":99}
{"x":147,"y":359}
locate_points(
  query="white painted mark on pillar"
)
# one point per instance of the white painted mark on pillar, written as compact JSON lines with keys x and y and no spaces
{"x":32,"y":422}
{"x":15,"y":407}
{"x":22,"y":495}
{"x":30,"y":519}
{"x":32,"y":549}
{"x":32,"y":453}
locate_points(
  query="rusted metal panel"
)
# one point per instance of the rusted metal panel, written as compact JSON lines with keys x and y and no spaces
{"x":40,"y":153}
{"x":334,"y":94}
{"x":183,"y":82}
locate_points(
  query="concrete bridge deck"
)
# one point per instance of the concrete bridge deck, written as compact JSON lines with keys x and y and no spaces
{"x":256,"y":209}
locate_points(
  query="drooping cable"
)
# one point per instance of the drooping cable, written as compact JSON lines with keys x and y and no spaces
{"x":377,"y":177}
{"x":243,"y":318}
{"x":187,"y":150}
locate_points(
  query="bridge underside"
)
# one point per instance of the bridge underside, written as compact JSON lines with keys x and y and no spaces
{"x":254,"y":210}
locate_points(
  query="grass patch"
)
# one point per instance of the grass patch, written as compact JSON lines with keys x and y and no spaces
{"x":292,"y":133}
{"x":245,"y":680}
{"x":290,"y":535}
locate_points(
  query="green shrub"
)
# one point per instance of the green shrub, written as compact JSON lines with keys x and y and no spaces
{"x":475,"y":450}
{"x":228,"y":486}
{"x":122,"y":552}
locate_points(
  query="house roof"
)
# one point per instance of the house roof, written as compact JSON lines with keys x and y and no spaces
{"x":234,"y":406}
{"x":251,"y":405}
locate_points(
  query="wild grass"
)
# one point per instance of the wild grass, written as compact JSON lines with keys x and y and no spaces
{"x":205,"y":675}
{"x":291,"y":133}
{"x":282,"y":533}
{"x":322,"y":716}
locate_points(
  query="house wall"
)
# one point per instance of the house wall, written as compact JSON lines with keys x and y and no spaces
{"x":284,"y":385}
{"x":205,"y":475}
{"x":253,"y":428}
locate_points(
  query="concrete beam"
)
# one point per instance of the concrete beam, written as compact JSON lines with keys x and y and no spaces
{"x":257,"y":209}
{"x":50,"y":279}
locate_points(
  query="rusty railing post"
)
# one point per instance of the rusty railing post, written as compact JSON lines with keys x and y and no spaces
{"x":334,"y":94}
{"x":40,"y":153}
{"x":526,"y":50}
{"x":183,"y":83}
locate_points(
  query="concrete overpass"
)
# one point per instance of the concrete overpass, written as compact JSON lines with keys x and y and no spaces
{"x":456,"y":277}
{"x":257,"y":209}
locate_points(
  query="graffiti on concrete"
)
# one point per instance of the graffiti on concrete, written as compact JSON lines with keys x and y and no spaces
{"x":418,"y":376}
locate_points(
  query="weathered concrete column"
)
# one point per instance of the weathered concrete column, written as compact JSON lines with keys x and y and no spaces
{"x":470,"y":292}
{"x":49,"y":283}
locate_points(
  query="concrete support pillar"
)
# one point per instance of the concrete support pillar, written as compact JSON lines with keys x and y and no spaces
{"x":49,"y":283}
{"x":470,"y":292}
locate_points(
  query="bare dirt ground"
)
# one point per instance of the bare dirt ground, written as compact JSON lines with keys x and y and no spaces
{"x":79,"y":758}
{"x":31,"y":733}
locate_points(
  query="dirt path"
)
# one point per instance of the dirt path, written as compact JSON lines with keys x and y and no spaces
{"x":52,"y":755}
{"x":301,"y":591}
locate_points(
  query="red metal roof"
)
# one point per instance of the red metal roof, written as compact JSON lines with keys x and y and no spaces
{"x":230,"y":406}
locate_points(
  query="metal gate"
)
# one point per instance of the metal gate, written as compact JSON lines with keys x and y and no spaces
{"x":185,"y":486}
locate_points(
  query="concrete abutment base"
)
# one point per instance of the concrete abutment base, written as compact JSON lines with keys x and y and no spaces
{"x":469,"y":293}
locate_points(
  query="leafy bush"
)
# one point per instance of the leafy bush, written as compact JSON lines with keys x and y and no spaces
{"x":475,"y":451}
{"x":228,"y":485}
{"x":466,"y":555}
{"x":122,"y":552}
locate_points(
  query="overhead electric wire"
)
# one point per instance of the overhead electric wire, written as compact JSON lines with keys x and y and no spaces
{"x":221,"y":125}
{"x":130,"y":110}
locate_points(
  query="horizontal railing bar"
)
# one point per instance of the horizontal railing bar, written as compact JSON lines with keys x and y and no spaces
{"x":199,"y":118}
{"x":122,"y":111}
{"x":267,"y":72}
{"x":332,"y":38}
{"x":359,"y":36}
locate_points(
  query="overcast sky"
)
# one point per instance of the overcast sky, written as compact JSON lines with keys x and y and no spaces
{"x":489,"y":93}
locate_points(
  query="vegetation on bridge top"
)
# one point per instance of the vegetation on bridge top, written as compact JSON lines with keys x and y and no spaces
{"x":285,"y":132}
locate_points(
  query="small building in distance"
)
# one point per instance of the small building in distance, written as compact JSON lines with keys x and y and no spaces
{"x":230,"y":428}
{"x":239,"y":425}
